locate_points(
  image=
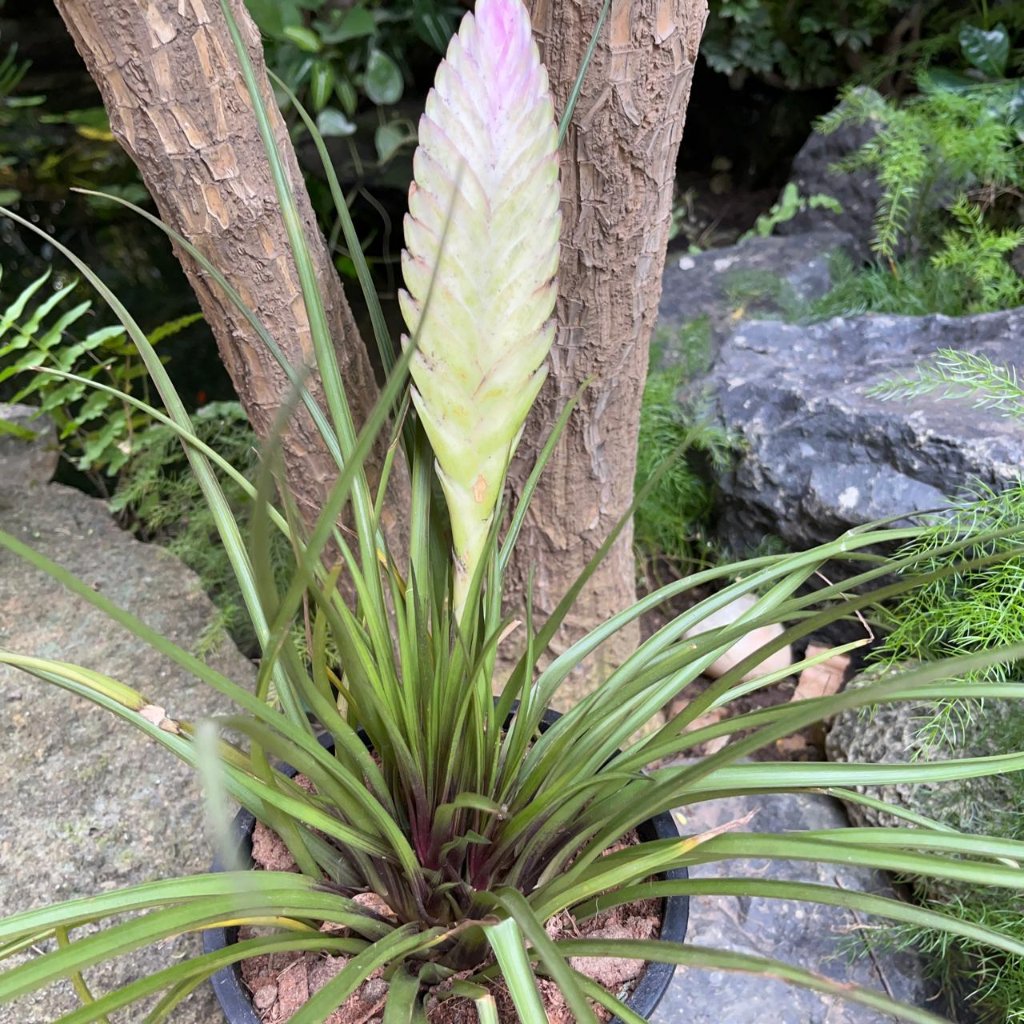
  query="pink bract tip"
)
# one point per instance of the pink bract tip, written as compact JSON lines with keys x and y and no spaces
{"x":504,"y":38}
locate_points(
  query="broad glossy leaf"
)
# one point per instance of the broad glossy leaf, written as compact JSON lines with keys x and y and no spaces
{"x":389,"y":138}
{"x":382,"y":82}
{"x":987,"y":50}
{"x":332,"y":123}
{"x":945,"y":80}
{"x":304,"y":38}
{"x":273,"y":16}
{"x":355,"y":23}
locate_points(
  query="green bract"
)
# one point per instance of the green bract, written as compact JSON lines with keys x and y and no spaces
{"x":472,"y":824}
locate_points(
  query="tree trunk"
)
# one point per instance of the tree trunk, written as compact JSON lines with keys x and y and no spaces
{"x":618,"y":166}
{"x":173,"y":88}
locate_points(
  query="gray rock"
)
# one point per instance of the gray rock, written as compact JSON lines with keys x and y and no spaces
{"x":89,"y":804}
{"x":818,"y":938}
{"x":893,"y":735}
{"x":819,"y":455}
{"x":758,"y":277}
{"x":27,"y":461}
{"x":858,"y":192}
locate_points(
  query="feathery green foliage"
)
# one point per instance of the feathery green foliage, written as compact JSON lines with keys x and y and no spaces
{"x":947,"y":220}
{"x":958,"y":374}
{"x":934,"y":145}
{"x":995,"y":990}
{"x":978,"y":608}
{"x":974,"y":254}
{"x":949,"y":163}
{"x":161,"y":500}
{"x":680,"y":449}
{"x":98,"y":430}
{"x":914,"y":289}
{"x":972,"y":974}
{"x":974,"y":609}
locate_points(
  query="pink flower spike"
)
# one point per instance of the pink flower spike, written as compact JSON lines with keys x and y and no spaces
{"x":486,"y":182}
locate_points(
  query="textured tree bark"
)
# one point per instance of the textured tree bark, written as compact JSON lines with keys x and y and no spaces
{"x":618,"y":166}
{"x":173,"y":88}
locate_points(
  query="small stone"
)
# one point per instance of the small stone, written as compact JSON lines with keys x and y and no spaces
{"x":27,"y":461}
{"x":609,"y":971}
{"x":265,"y":997}
{"x":323,"y":971}
{"x":792,"y":746}
{"x":823,"y":679}
{"x":372,"y":902}
{"x":374,"y":989}
{"x":747,"y":644}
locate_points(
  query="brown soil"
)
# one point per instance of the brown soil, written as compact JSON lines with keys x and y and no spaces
{"x":282,"y":982}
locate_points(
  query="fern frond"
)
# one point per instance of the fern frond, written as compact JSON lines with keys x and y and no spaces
{"x":37,"y":333}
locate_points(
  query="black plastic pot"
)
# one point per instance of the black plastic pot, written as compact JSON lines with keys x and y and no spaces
{"x":236,"y":1001}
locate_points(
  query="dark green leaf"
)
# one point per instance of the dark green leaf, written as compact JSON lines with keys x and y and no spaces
{"x":304,"y":38}
{"x":347,"y":96}
{"x":353,"y":24}
{"x":321,"y":84}
{"x":945,"y":80}
{"x":389,"y":139}
{"x":431,"y":25}
{"x":382,"y":82}
{"x":331,"y":122}
{"x":273,"y":16}
{"x":988,"y":50}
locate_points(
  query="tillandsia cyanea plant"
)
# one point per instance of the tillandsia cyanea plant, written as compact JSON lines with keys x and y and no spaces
{"x":473,"y":826}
